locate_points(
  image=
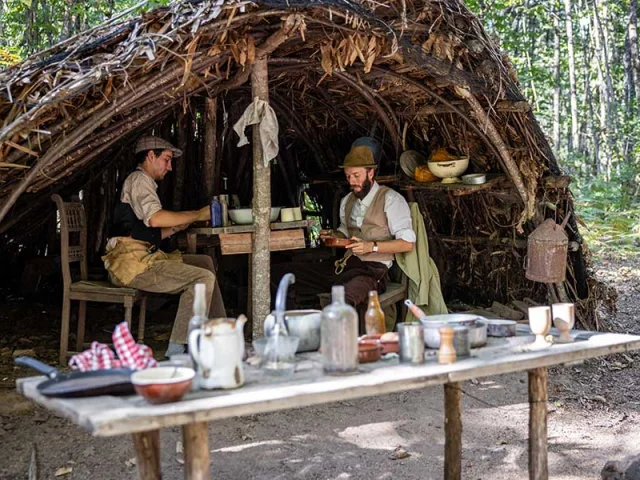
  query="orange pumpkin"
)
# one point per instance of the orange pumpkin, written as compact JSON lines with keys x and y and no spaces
{"x":441,"y":155}
{"x":423,"y":174}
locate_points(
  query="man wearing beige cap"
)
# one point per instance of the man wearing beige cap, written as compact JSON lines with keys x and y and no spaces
{"x":133,"y":256}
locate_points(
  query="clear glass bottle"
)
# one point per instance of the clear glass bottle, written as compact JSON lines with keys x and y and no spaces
{"x":374,"y":316}
{"x":339,"y":335}
{"x":199,"y":317}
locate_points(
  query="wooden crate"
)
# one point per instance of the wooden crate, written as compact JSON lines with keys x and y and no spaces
{"x":235,"y":243}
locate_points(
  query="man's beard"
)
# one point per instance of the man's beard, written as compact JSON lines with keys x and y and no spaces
{"x":364,"y":190}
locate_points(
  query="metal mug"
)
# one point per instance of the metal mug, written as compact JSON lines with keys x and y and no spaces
{"x":411,"y":342}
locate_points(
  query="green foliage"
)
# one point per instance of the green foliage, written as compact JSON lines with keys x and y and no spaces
{"x":612,"y":218}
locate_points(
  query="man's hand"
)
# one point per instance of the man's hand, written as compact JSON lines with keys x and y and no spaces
{"x":359,"y":246}
{"x":324,"y":234}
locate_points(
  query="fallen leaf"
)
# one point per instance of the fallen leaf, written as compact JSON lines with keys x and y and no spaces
{"x":599,"y":398}
{"x":131,"y":462}
{"x":179,"y":447}
{"x":399,"y":453}
{"x":63,"y":471}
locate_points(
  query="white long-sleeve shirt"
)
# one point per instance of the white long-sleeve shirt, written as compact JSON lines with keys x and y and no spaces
{"x":396,"y":209}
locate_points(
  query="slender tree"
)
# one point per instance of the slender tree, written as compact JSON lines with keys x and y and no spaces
{"x":573,"y":97}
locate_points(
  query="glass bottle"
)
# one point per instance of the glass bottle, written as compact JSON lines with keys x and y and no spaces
{"x":374,"y":316}
{"x":339,"y":335}
{"x":216,"y":212}
{"x":197,"y":319}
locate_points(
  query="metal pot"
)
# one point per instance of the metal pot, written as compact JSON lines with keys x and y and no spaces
{"x":304,"y":324}
{"x":477,"y":328}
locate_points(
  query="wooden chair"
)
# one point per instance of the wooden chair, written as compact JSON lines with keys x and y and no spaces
{"x":396,"y":292}
{"x":73,"y":240}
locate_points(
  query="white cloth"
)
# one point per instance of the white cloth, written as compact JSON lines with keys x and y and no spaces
{"x":260,"y":112}
{"x":396,"y":209}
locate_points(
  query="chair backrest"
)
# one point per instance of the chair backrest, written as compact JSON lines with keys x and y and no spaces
{"x":73,"y":238}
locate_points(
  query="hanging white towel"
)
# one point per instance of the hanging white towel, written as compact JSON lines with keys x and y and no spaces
{"x":260,"y":112}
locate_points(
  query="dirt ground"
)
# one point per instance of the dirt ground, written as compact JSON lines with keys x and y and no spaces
{"x":593,"y":418}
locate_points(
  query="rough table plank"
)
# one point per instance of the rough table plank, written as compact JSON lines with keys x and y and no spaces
{"x":106,"y":416}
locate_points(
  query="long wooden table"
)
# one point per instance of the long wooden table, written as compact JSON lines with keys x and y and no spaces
{"x":109,"y":416}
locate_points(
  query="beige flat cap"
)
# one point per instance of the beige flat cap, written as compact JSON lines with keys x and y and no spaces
{"x":145,"y":144}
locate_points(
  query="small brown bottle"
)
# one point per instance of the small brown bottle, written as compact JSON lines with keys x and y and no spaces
{"x":374,"y":316}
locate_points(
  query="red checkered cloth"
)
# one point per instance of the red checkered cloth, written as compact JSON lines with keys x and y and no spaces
{"x":101,"y":357}
{"x":98,"y":357}
{"x":133,"y":355}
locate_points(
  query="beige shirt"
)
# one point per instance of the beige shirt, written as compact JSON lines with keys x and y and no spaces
{"x":140,"y":191}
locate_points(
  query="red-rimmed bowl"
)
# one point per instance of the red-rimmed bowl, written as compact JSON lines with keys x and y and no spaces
{"x":337,"y":242}
{"x":163,"y":384}
{"x":369,"y":350}
{"x":388,"y":346}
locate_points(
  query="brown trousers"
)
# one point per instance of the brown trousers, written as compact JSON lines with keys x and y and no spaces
{"x":358,"y":278}
{"x":175,"y":277}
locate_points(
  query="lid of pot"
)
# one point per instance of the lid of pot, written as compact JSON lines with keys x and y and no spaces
{"x":549,"y":231}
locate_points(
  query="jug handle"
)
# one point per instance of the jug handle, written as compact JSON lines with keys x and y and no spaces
{"x":199,"y":356}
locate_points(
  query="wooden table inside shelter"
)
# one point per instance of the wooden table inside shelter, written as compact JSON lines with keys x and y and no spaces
{"x":192,"y":233}
{"x":109,"y":415}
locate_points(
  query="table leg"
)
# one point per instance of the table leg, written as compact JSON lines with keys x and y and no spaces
{"x":192,"y":240}
{"x":196,"y":451}
{"x":147,"y":449}
{"x":452,"y":431}
{"x":538,"y":464}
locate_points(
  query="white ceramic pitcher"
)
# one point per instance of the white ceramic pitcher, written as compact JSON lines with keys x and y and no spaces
{"x":217,"y":348}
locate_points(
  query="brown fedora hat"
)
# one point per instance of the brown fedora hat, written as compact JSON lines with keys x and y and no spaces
{"x":359,"y":156}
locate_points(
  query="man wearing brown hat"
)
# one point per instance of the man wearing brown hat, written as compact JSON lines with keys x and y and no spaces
{"x":133,"y":255}
{"x":378,"y":221}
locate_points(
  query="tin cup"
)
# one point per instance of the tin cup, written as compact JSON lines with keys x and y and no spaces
{"x":411,"y":343}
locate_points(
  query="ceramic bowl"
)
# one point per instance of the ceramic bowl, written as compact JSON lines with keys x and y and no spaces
{"x":336,"y":242}
{"x":244,"y":216}
{"x":450,"y":168}
{"x":369,"y":350}
{"x":501,"y":328}
{"x":388,"y":346}
{"x":163,"y":384}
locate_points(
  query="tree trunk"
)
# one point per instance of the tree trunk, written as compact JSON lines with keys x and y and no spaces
{"x":592,"y":128}
{"x":556,"y":81}
{"x":633,"y":48}
{"x":607,"y":100}
{"x":572,"y":77}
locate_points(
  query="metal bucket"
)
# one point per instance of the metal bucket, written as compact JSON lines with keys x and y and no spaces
{"x":547,"y":249}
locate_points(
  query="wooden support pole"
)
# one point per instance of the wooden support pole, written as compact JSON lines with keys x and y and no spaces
{"x":261,"y":255}
{"x":452,"y":431}
{"x":147,"y":449}
{"x":211,"y":170}
{"x":184,"y":127}
{"x":538,"y":465}
{"x":197,"y":464}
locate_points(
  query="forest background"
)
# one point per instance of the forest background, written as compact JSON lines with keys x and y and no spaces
{"x":577,"y":62}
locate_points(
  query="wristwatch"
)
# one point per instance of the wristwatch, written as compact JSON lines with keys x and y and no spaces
{"x":375,"y":247}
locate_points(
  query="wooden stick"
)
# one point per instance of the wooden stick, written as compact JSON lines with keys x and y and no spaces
{"x":261,"y":258}
{"x":197,"y":461}
{"x":210,"y":165}
{"x":494,"y":135}
{"x":147,"y":449}
{"x":538,"y":466}
{"x":453,"y":431}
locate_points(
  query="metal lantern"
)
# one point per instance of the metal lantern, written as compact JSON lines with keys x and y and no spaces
{"x":547,"y":249}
